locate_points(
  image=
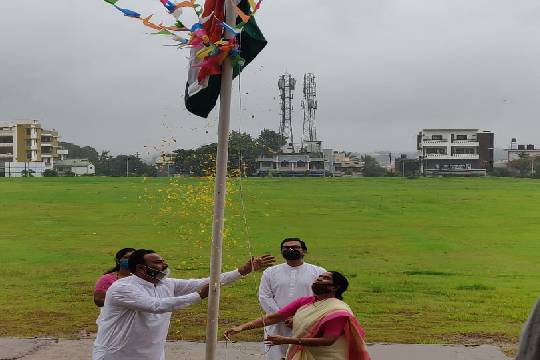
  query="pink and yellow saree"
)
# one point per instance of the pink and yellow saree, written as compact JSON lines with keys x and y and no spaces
{"x":309,"y":319}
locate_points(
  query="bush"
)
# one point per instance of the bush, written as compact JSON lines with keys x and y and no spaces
{"x":501,"y":172}
{"x":50,"y":173}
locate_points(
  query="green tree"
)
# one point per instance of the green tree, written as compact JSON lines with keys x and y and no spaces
{"x":78,"y":152}
{"x":242,"y":149}
{"x":270,"y":141}
{"x":122,"y":165}
{"x":523,"y":165}
{"x":371,"y":167}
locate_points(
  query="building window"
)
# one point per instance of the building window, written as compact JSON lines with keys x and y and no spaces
{"x":284,"y":163}
{"x":6,"y":139}
{"x":29,"y":155}
{"x":28,"y":131}
{"x":300,"y":164}
{"x":436,"y":137}
{"x":461,"y":137}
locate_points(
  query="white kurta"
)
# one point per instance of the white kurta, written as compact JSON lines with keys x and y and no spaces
{"x":281,"y":284}
{"x":134,"y":321}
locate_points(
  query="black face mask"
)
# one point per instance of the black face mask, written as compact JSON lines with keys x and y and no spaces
{"x":320,"y":289}
{"x":157,"y":274}
{"x":291,"y":254}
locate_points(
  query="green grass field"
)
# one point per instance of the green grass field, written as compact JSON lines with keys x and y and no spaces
{"x":429,"y":260}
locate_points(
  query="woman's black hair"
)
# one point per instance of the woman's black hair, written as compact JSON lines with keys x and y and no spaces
{"x":341,"y":282}
{"x":119,"y":254}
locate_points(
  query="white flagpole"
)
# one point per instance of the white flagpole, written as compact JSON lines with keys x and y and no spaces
{"x":219,"y":194}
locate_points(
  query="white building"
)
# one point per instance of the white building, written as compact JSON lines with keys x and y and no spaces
{"x":76,"y":166}
{"x":455,"y":151}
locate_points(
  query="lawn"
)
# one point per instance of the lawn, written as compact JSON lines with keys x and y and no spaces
{"x":429,"y":260}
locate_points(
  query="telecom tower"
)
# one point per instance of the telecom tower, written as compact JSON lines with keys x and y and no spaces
{"x":309,"y":104}
{"x":286,"y":86}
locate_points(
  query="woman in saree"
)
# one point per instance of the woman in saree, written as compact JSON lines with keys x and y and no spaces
{"x":324,"y":327}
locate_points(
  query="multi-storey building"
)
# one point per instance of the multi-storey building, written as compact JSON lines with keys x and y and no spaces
{"x":24,"y":141}
{"x":455,"y":151}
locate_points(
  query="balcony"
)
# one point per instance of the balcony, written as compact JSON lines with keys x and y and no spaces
{"x":466,"y":143}
{"x":450,"y":157}
{"x":6,"y":144}
{"x":46,"y":144}
{"x":434,"y":142}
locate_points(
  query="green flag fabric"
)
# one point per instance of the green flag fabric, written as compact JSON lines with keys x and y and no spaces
{"x":251,"y":42}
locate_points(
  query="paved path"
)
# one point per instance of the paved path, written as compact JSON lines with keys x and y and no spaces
{"x":52,"y":349}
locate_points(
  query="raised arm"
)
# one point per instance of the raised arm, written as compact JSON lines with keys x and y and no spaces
{"x":182,"y":287}
{"x":127,"y":296}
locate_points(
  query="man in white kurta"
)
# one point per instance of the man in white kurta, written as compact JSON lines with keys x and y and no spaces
{"x":283,"y":283}
{"x":134,"y":320}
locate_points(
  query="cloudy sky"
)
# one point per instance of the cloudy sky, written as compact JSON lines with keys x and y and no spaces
{"x":384,"y":68}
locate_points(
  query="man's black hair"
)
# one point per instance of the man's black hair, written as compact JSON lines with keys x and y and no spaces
{"x":119,"y":254}
{"x":302,"y":243}
{"x":341,"y":282}
{"x":137,"y":258}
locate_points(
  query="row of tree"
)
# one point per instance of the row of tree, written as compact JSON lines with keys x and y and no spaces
{"x":243,"y":152}
{"x":108,"y":165}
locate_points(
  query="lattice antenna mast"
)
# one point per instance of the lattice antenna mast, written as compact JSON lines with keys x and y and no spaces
{"x":286,"y":86}
{"x":309,"y":104}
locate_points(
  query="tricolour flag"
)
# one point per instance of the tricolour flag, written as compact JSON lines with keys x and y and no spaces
{"x":200,"y":99}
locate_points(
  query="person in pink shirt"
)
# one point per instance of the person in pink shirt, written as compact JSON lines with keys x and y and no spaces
{"x":120,"y":270}
{"x":324,"y":327}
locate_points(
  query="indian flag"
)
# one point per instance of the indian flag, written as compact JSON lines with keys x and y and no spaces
{"x":201,"y":98}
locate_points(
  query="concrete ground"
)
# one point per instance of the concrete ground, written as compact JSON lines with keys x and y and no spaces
{"x":54,"y":349}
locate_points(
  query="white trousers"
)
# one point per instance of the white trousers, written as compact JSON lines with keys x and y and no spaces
{"x":277,"y":352}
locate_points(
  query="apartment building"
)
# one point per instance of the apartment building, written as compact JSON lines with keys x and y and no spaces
{"x":464,"y":152}
{"x":25,"y":141}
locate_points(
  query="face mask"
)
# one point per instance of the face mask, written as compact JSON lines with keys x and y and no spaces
{"x":157,"y":274}
{"x":320,"y":289}
{"x":291,"y":254}
{"x":123,"y":263}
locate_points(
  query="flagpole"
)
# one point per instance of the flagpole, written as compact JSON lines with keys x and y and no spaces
{"x":220,"y":189}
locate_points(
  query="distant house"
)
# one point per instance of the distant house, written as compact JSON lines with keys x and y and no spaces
{"x":515,"y":151}
{"x":461,"y":152}
{"x":74,"y":166}
{"x":345,"y":164}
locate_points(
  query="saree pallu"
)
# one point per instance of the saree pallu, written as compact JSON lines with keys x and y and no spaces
{"x":309,"y":319}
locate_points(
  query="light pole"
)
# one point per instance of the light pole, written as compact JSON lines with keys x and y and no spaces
{"x":127,"y":166}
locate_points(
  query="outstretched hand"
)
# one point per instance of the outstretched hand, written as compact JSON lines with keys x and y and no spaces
{"x":232,"y":331}
{"x":257,"y":263}
{"x":277,"y":340}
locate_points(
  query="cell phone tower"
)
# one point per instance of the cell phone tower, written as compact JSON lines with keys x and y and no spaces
{"x":286,"y":85}
{"x":309,"y":104}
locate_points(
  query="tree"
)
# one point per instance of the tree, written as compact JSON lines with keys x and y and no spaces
{"x":242,"y":145}
{"x":371,"y":167}
{"x":523,"y":165}
{"x":78,"y":152}
{"x":270,"y":141}
{"x":122,"y":165}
